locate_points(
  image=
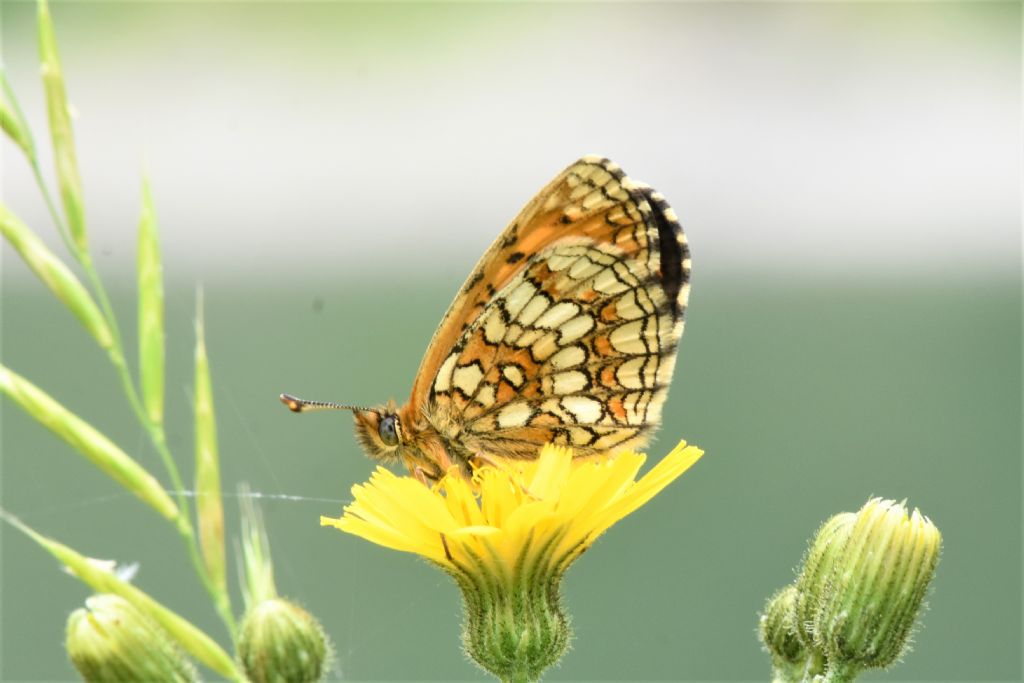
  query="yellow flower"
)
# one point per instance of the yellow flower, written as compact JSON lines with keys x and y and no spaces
{"x":508,"y":536}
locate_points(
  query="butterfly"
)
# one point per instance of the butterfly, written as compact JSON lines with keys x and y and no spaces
{"x":565,"y":332}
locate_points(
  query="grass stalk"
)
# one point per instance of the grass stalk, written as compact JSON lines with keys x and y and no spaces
{"x":154,"y":430}
{"x":151,"y":331}
{"x":71,"y":226}
{"x":87,"y":440}
{"x":209,"y":505}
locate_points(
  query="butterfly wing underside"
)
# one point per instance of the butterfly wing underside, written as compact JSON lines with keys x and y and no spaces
{"x":567,"y":329}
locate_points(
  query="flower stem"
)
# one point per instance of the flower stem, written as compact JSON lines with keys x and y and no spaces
{"x":783,"y":672}
{"x":159,"y":439}
{"x":54,"y":214}
{"x":517,"y":677}
{"x":841,"y":672}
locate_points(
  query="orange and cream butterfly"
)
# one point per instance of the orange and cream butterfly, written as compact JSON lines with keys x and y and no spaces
{"x":565,"y":332}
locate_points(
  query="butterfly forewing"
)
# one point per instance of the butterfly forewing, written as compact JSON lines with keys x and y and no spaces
{"x":567,"y":329}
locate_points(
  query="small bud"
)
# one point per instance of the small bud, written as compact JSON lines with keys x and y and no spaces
{"x":281,"y":642}
{"x":110,"y":640}
{"x":777,"y":630}
{"x":879,"y":581}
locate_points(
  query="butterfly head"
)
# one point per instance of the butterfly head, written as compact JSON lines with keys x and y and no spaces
{"x":380,"y":432}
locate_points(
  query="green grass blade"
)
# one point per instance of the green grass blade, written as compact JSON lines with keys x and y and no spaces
{"x":60,"y":130}
{"x":102,"y":580}
{"x":84,"y":438}
{"x":209,"y":506}
{"x":56,"y":276}
{"x":13,"y":121}
{"x":151,"y":311}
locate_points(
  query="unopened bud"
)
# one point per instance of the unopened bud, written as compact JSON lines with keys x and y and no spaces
{"x":879,"y":582}
{"x":281,"y":642}
{"x":777,"y":630}
{"x":109,"y":640}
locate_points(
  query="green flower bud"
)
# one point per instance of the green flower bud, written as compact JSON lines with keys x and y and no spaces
{"x":879,"y":581}
{"x":514,"y":629}
{"x":279,"y":642}
{"x":777,"y":630}
{"x":109,"y":640}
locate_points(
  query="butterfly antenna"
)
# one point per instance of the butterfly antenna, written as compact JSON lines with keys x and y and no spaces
{"x":301,"y":405}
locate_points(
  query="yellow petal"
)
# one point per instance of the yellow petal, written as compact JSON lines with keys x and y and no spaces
{"x":462,"y":503}
{"x":553,"y":468}
{"x":595,"y":484}
{"x":405,"y":503}
{"x":480,"y":531}
{"x":499,"y":495}
{"x":386,"y":537}
{"x":660,"y":476}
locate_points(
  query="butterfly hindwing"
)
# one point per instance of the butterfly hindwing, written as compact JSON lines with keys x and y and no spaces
{"x":567,"y":329}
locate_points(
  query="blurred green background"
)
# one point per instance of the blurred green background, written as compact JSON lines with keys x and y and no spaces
{"x":849,"y":179}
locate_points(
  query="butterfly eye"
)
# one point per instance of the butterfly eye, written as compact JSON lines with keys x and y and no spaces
{"x":388,"y":430}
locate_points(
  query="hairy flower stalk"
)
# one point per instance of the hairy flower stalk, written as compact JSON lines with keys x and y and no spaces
{"x":507,"y":539}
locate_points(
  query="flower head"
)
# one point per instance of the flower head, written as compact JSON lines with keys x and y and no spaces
{"x":280,"y":641}
{"x":507,"y":538}
{"x":862,"y":586}
{"x":110,"y":640}
{"x":879,"y":583}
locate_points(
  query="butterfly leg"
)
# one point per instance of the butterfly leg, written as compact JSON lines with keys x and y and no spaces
{"x":481,"y":460}
{"x":421,"y":475}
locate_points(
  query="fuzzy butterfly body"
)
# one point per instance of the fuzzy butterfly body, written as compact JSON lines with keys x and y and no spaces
{"x":566,"y":332}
